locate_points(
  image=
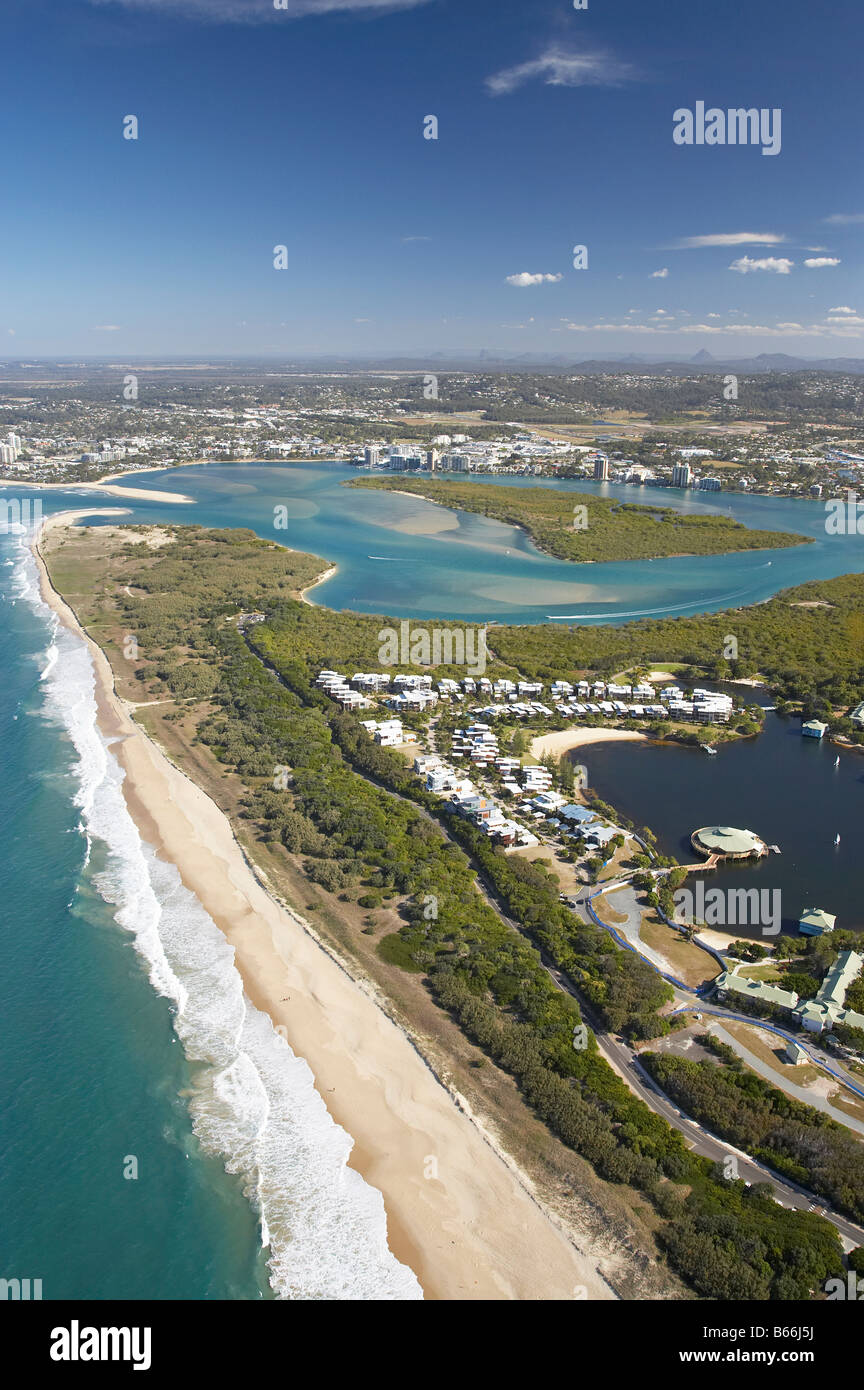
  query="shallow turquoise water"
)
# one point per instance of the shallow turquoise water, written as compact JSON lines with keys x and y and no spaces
{"x":92,"y":1068}
{"x":481,"y":569}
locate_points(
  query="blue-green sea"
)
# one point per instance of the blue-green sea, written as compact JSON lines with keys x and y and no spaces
{"x":126,"y":1043}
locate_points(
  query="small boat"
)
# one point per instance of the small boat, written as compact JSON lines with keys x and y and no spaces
{"x":708,"y":749}
{"x":836,"y":839}
{"x":837,"y":761}
{"x":775,"y":849}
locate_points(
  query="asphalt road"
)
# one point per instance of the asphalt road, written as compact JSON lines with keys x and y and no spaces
{"x":625,"y":1062}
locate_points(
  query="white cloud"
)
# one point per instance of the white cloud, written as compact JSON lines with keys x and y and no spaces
{"x":257,"y":11}
{"x":847,"y":320}
{"x":660,"y":274}
{"x":560,"y":67}
{"x":525,"y":277}
{"x":106,"y":328}
{"x":818,"y":262}
{"x":416,"y":238}
{"x":11,"y":332}
{"x":842,"y":309}
{"x":844,"y":219}
{"x":779,"y":265}
{"x":690,"y":243}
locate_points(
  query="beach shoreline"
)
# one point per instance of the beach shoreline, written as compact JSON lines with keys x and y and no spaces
{"x":105,"y":484}
{"x":476,"y":1229}
{"x":322,"y":578}
{"x":565,"y":740}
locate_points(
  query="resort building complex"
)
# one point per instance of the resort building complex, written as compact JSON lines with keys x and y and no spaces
{"x":817,"y":1015}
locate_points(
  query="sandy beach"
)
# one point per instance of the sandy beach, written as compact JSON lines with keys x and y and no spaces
{"x":720,"y":940}
{"x":328,"y":574}
{"x":475,"y":1231}
{"x":565,"y":739}
{"x":103,"y":485}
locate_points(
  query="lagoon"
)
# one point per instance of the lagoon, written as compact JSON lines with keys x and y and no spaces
{"x":783,"y":787}
{"x":406,"y":557}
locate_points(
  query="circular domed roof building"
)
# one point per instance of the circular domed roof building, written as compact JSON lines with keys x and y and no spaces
{"x":727,"y":842}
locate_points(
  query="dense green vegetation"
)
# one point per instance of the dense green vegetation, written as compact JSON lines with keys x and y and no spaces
{"x":318,"y":786}
{"x":607,"y":529}
{"x":658,"y":392}
{"x":794,"y":1139}
{"x":806,"y":642}
{"x":625,"y":991}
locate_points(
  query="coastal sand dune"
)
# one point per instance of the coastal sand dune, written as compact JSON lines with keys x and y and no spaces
{"x":471,"y":1230}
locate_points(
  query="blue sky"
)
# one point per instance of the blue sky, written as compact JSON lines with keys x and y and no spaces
{"x":304,"y":128}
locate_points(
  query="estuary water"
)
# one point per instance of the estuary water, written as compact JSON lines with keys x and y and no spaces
{"x":127,"y":1045}
{"x":782,"y":786}
{"x":393,"y":559}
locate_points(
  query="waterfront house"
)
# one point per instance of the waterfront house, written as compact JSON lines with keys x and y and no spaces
{"x":598,"y":836}
{"x":857,"y":716}
{"x":814,"y":922}
{"x":814,"y":728}
{"x":575,"y":817}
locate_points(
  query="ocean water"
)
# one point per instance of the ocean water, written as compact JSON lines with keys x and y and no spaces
{"x":125,"y":1033}
{"x":130,"y":1048}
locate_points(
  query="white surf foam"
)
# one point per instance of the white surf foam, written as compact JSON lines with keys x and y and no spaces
{"x":253,"y":1101}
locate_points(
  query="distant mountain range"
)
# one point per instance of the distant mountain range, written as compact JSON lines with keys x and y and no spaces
{"x":482,"y":360}
{"x":485,"y":360}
